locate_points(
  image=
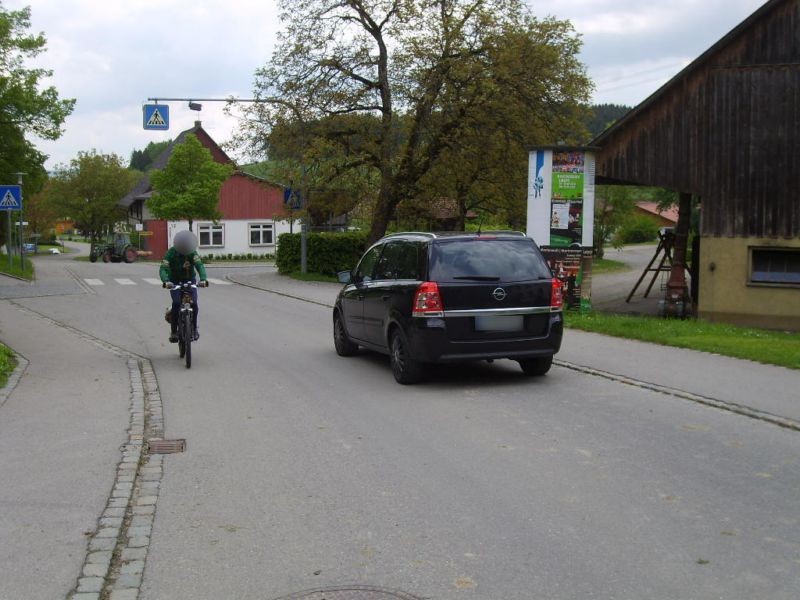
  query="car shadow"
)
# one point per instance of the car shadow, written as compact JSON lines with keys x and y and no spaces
{"x":473,"y":374}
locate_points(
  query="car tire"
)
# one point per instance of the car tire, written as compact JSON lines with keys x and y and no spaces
{"x":341,"y":341}
{"x":130,"y":255}
{"x":536,"y":367}
{"x":405,"y":369}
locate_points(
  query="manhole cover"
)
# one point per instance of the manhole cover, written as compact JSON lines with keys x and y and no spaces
{"x":165,"y":446}
{"x":350,"y":592}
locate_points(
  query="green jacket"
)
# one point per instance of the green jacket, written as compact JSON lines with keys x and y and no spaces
{"x":177,"y":267}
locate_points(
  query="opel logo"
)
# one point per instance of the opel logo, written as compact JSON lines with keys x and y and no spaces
{"x":499,"y":294}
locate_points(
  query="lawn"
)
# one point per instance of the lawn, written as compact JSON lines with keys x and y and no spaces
{"x":606,"y":265}
{"x":760,"y":345}
{"x":7,"y":364}
{"x":16,"y":269}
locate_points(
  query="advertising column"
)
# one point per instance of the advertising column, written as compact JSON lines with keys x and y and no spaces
{"x":561,"y":216}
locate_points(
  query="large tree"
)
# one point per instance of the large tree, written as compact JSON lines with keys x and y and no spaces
{"x":188,"y":187}
{"x":27,"y":109}
{"x":417,"y":70}
{"x":89,"y":189}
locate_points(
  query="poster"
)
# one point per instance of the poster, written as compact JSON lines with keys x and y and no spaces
{"x":561,"y":215}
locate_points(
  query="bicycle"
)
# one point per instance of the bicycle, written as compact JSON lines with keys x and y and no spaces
{"x":185,"y":318}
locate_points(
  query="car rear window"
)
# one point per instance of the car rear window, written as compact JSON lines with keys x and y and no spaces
{"x":487,"y":259}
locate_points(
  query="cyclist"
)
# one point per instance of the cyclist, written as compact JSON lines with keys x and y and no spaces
{"x":179,"y":266}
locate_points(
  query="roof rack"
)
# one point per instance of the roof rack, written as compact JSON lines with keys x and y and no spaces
{"x":439,"y":234}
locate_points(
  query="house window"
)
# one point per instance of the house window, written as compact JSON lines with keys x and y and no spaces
{"x":211,"y":236}
{"x":775,"y":266}
{"x":261,"y":234}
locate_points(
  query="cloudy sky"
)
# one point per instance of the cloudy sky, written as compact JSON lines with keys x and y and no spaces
{"x":112,"y":55}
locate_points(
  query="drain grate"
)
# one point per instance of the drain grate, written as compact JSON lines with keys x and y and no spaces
{"x":350,"y":592}
{"x":165,"y":446}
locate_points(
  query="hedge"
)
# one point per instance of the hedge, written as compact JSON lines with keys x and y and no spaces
{"x":328,"y":253}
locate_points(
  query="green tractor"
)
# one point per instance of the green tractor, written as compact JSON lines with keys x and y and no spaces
{"x":118,"y":249}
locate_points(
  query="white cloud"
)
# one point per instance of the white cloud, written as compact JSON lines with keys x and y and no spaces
{"x":112,"y":55}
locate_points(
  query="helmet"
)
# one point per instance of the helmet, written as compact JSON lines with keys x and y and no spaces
{"x":185,"y":242}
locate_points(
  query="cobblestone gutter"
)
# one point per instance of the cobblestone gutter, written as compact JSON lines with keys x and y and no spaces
{"x":117,"y":552}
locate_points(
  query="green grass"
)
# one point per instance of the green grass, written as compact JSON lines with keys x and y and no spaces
{"x":7,"y":364}
{"x":313,"y":277}
{"x":44,"y":248}
{"x":606,"y":265}
{"x":760,"y":345}
{"x":16,"y":269}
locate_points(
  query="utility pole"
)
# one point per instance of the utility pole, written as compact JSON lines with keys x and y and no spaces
{"x":21,"y":253}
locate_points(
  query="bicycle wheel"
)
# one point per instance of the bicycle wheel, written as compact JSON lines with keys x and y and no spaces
{"x":187,"y":337}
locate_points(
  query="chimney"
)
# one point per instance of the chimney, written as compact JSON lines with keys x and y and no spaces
{"x":198,"y":124}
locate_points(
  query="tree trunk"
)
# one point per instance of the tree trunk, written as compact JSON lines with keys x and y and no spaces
{"x":190,"y":224}
{"x":382,"y":215}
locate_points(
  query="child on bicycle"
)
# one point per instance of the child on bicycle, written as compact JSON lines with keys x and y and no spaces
{"x":179,"y":266}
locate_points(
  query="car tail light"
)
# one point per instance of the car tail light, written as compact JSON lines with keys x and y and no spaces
{"x":556,"y":295}
{"x":428,"y":301}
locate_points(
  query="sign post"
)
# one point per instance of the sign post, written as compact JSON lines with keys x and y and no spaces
{"x":561,"y":215}
{"x":10,"y":199}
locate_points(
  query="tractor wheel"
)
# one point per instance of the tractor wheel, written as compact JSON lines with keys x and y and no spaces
{"x":107,"y":256}
{"x":130,"y":255}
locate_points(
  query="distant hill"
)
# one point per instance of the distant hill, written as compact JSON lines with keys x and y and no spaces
{"x":603,"y":116}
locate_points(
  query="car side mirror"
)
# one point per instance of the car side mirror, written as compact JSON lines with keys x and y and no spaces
{"x":344,"y":277}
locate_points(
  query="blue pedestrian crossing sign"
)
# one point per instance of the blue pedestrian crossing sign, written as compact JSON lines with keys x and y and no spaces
{"x":10,"y":197}
{"x":156,"y":116}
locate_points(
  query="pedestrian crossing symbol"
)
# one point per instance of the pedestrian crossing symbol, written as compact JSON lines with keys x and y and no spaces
{"x":156,"y":116}
{"x":10,"y":197}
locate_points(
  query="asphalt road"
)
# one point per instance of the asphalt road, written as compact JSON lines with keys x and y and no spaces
{"x":305,"y":469}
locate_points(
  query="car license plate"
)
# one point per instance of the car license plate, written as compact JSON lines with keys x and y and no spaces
{"x":500,"y":323}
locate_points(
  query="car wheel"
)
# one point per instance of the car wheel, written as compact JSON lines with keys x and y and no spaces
{"x":405,"y":369}
{"x":536,"y":367}
{"x":344,"y":345}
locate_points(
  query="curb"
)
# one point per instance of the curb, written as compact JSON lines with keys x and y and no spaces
{"x":117,"y":550}
{"x":14,"y":377}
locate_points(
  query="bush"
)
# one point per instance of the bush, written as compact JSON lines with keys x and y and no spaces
{"x":636,"y":230}
{"x":328,"y":253}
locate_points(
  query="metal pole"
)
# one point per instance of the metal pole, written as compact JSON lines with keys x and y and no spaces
{"x":303,"y":248}
{"x":8,"y":239}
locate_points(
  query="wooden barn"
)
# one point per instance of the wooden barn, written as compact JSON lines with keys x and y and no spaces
{"x":725,"y":132}
{"x":253,"y":213}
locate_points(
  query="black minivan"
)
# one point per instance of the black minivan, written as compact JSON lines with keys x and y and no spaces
{"x":428,"y":298}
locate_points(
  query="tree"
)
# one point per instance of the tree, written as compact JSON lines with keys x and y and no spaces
{"x":89,"y":190}
{"x":142,"y":160}
{"x":188,"y":187}
{"x":612,"y":207}
{"x":25,"y":108}
{"x":414,"y":70}
{"x":602,"y":116}
{"x":41,"y":212}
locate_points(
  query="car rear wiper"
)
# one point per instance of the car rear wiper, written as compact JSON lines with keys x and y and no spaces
{"x":477,"y":278}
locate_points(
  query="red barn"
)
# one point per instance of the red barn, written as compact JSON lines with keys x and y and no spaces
{"x":252,"y":209}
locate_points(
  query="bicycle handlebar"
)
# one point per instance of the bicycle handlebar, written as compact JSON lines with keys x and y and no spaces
{"x":177,"y":286}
